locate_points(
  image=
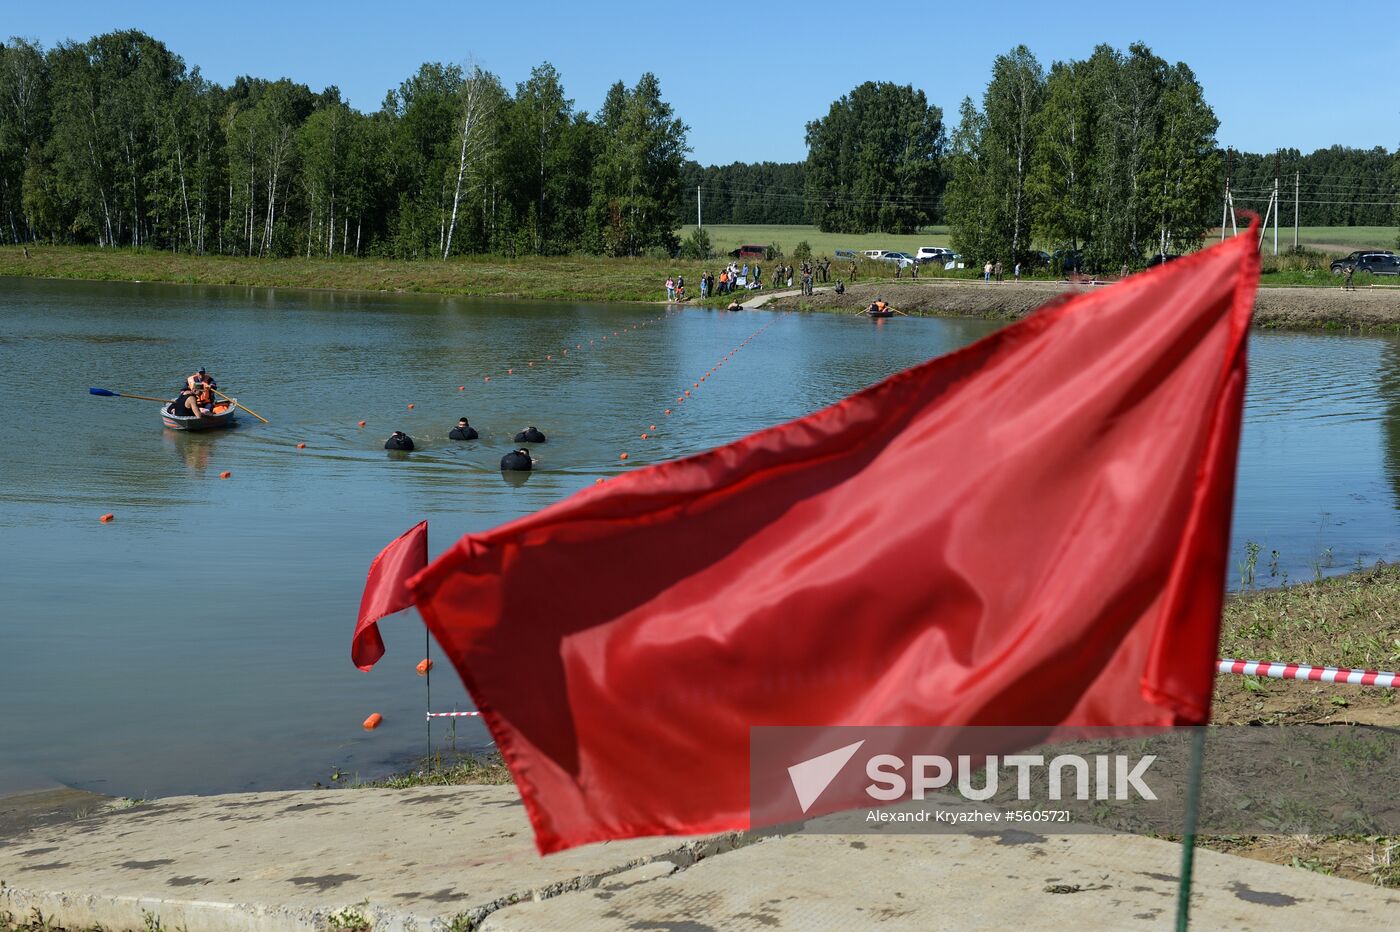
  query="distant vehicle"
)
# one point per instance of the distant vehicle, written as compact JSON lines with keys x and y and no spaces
{"x":1038,"y":259}
{"x":901,"y":259}
{"x":847,"y":254}
{"x":953,"y":260}
{"x":874,"y":254}
{"x":1162,"y":258}
{"x":749,"y":252}
{"x":1377,"y":263}
{"x":937,"y":254}
{"x":1353,"y":260}
{"x":1069,"y":260}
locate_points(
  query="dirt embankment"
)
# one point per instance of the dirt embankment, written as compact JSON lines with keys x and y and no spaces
{"x":1283,"y":308}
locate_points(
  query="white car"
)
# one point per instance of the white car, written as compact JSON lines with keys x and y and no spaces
{"x":937,"y":254}
{"x":901,"y":259}
{"x":874,"y":254}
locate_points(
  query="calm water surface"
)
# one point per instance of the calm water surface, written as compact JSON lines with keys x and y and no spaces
{"x":200,"y":642}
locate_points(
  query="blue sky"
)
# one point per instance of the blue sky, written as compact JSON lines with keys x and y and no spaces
{"x":747,"y":78}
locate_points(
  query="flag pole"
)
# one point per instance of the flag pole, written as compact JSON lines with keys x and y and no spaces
{"x":428,"y":693}
{"x":1188,"y":840}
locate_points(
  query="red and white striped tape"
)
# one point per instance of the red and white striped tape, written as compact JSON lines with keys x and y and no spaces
{"x":1301,"y":671}
{"x":1278,"y":671}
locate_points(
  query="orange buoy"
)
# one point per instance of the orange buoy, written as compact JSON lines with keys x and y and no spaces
{"x":105,"y":519}
{"x":623,"y":456}
{"x":680,"y":398}
{"x":462,"y":388}
{"x":225,"y":475}
{"x":362,"y":423}
{"x":373,"y":721}
{"x":687,"y":392}
{"x":644,"y":436}
{"x":652,"y":427}
{"x":410,"y":407}
{"x":694,"y":384}
{"x":301,"y":446}
{"x":668,"y":412}
{"x":597,"y":481}
{"x":424,"y":666}
{"x":548,"y":356}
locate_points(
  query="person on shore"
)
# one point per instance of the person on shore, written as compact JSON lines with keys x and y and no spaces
{"x":1016,"y":272}
{"x":463,"y":431}
{"x":997,"y":271}
{"x":826,"y":270}
{"x":670,"y":290}
{"x":840,"y":287}
{"x":914,"y":271}
{"x":200,"y":376}
{"x":1123,"y":272}
{"x":898,"y":269}
{"x":724,"y":281}
{"x":987,"y":271}
{"x":1346,"y":278}
{"x":789,"y":276}
{"x":517,"y":461}
{"x":852,"y":276}
{"x":400,"y":441}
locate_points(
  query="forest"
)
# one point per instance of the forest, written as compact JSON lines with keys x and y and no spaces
{"x":115,"y":141}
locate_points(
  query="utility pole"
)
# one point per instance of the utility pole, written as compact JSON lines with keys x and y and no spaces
{"x":1295,"y":211}
{"x":698,"y":224}
{"x":1276,"y":213}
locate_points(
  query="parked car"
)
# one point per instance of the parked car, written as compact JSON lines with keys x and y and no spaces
{"x":1353,"y":260}
{"x":901,"y":259}
{"x":749,"y":252}
{"x":1067,"y":260}
{"x":1378,"y":263}
{"x":953,"y":260}
{"x":874,"y":254}
{"x":937,"y":254}
{"x":847,"y":254}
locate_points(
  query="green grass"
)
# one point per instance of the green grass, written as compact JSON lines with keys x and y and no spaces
{"x":469,"y":770}
{"x":727,"y":236}
{"x":1333,"y":239}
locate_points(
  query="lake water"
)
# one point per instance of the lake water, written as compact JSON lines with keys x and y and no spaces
{"x":200,"y":641}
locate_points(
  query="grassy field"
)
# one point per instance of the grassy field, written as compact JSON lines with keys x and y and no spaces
{"x":724,"y":237}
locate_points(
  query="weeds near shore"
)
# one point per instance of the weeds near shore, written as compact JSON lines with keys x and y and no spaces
{"x":470,"y":770}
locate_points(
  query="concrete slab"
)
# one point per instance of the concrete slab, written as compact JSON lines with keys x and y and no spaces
{"x":997,"y":881}
{"x":412,"y":859}
{"x":420,"y":859}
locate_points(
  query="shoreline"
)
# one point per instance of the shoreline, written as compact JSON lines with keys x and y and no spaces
{"x":638,"y":280}
{"x":1276,"y":307}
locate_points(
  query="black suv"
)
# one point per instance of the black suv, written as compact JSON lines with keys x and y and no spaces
{"x":1363,"y":260}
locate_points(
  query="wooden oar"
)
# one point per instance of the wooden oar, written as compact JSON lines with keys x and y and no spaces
{"x":237,"y":405}
{"x":110,"y":394}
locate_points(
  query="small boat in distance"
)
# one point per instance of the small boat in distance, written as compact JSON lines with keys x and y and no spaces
{"x":221,"y":416}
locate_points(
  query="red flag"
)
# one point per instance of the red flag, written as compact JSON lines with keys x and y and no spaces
{"x":386,"y":591}
{"x":1029,"y":531}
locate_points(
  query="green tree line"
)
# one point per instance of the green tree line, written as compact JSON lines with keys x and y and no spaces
{"x":115,"y":142}
{"x":1336,"y":186}
{"x":1114,"y":157}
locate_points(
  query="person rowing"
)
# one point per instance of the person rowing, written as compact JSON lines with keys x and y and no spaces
{"x":186,"y":404}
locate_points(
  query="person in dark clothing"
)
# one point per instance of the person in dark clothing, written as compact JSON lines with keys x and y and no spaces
{"x":463,"y":431}
{"x":399,"y":441}
{"x":840,"y":287}
{"x":530,"y":435}
{"x":185,"y":404}
{"x":517,"y":460}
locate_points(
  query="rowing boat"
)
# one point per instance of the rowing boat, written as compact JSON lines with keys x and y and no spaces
{"x":222,"y":416}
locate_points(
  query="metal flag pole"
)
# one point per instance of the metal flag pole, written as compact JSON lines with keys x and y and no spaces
{"x":428,"y":692}
{"x":1188,"y":838}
